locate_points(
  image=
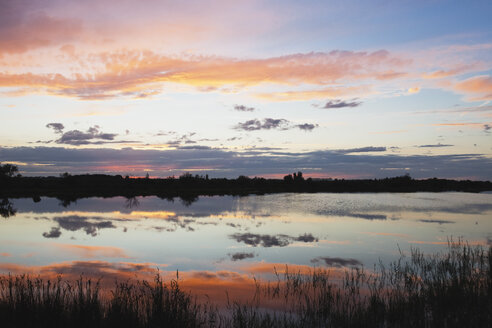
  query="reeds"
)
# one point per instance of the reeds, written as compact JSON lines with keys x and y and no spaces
{"x":448,"y":289}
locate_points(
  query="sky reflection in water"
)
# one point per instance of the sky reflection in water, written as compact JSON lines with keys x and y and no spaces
{"x":225,"y":241}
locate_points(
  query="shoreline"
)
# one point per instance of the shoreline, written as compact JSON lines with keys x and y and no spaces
{"x":189,"y":187}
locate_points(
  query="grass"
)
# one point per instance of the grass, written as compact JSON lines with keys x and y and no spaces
{"x":449,"y":289}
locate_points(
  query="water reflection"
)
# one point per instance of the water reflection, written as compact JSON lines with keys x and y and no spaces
{"x":226,"y":240}
{"x":6,"y":208}
{"x":132,"y":202}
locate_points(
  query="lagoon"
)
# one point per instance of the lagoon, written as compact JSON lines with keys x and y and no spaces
{"x":231,"y":239}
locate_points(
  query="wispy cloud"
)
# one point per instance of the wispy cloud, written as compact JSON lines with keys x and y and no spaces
{"x":337,"y":103}
{"x":317,"y":93}
{"x":436,"y":221}
{"x":142,"y":70}
{"x":241,"y":256}
{"x":477,"y":88}
{"x":369,"y":149}
{"x":242,"y":108}
{"x":87,"y":251}
{"x":307,"y":126}
{"x":267,"y":124}
{"x":23,"y":31}
{"x":272,"y":124}
{"x":271,"y":240}
{"x":336,"y":261}
{"x":439,"y":145}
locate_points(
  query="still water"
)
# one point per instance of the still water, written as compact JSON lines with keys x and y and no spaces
{"x":226,"y":240}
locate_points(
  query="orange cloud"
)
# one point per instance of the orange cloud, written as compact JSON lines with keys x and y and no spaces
{"x":86,"y":251}
{"x":473,"y":125}
{"x":440,"y":74}
{"x":216,"y":285}
{"x":154,"y":215}
{"x":281,"y":268}
{"x":334,"y":92}
{"x":478,"y":88}
{"x":444,"y":243}
{"x":133,"y":73}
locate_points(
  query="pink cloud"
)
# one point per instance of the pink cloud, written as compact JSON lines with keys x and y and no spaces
{"x":131,"y":73}
{"x":477,"y":88}
{"x":36,"y":30}
{"x":87,"y":251}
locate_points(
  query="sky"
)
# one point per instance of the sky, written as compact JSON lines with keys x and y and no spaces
{"x":335,"y":89}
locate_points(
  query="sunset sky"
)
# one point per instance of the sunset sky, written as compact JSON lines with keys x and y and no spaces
{"x":341,"y":89}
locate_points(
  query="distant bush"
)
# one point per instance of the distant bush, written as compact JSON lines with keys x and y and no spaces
{"x":8,"y":170}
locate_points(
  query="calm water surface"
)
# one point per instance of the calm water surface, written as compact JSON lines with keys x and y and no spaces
{"x":227,"y":240}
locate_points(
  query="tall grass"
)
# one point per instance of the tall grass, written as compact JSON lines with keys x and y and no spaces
{"x":449,"y":289}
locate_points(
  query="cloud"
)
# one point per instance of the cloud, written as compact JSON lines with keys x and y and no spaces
{"x":76,"y":137}
{"x":307,"y":126}
{"x":460,"y":124}
{"x":93,"y":136}
{"x":262,"y":240}
{"x":229,"y":163}
{"x":369,"y":149}
{"x":267,"y":124}
{"x":336,"y":261}
{"x":317,"y":93}
{"x":25,"y":26}
{"x":144,"y":70}
{"x":242,"y":108}
{"x":197,"y":147}
{"x":183,"y":139}
{"x":306,"y":238}
{"x":337,"y":103}
{"x":439,"y":74}
{"x":367,"y":216}
{"x":53,"y":233}
{"x":477,"y":88}
{"x":57,"y":127}
{"x":272,"y":124}
{"x":271,"y":240}
{"x":87,"y":251}
{"x":90,"y":225}
{"x":241,"y":256}
{"x":436,"y":221}
{"x":439,"y":145}
{"x":73,"y":270}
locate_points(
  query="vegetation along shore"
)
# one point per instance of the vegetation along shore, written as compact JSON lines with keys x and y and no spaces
{"x":187,"y":186}
{"x":448,"y":289}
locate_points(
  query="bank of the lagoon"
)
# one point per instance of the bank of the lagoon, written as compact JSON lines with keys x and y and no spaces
{"x":71,"y":187}
{"x":448,"y":289}
{"x":222,"y":246}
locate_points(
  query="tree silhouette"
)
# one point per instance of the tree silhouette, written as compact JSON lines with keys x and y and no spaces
{"x":6,"y":208}
{"x":8,"y":170}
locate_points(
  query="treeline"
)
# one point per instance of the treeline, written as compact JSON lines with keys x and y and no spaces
{"x":188,"y":186}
